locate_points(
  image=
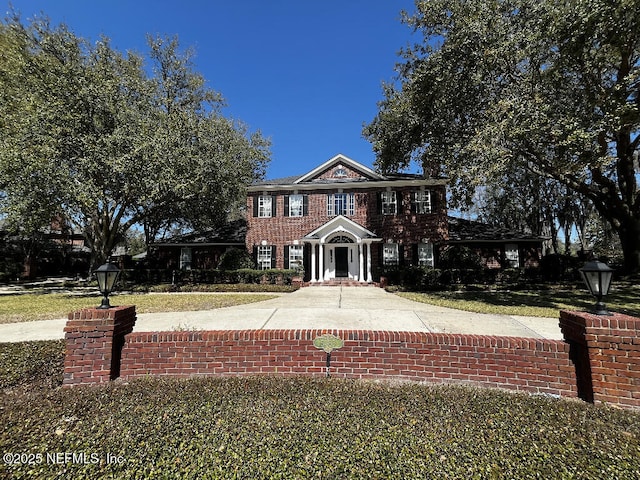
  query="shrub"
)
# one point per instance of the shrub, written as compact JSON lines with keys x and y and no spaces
{"x":235,"y":259}
{"x":274,"y":427}
{"x":433,"y":279}
{"x":459,"y":257}
{"x":31,"y":364}
{"x":183,"y":277}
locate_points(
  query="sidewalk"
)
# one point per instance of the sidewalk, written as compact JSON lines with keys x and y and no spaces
{"x":341,"y":308}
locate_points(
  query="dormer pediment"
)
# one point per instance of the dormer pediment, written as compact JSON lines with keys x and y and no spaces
{"x":339,"y":169}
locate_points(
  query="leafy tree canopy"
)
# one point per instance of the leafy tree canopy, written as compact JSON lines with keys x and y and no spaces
{"x":88,"y":135}
{"x":544,"y":86}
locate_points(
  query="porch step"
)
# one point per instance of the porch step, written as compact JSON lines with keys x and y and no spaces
{"x":340,"y":283}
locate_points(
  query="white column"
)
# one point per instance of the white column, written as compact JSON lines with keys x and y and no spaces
{"x":313,"y":262}
{"x":369,"y":262}
{"x":321,"y":262}
{"x":360,"y":264}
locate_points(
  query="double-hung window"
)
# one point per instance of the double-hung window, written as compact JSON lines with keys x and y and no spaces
{"x":340,"y":204}
{"x":185,"y":258}
{"x":390,"y":254}
{"x":512,"y":255}
{"x":421,"y":201}
{"x":425,"y":254}
{"x":389,"y":203}
{"x":296,"y":204}
{"x":265,"y":206}
{"x":264,"y":257}
{"x":296,"y":256}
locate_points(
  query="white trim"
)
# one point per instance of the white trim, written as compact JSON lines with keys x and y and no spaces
{"x":390,"y":254}
{"x":262,"y":206}
{"x":340,"y":159}
{"x":341,"y":223}
{"x":297,"y":196}
{"x":186,"y":258}
{"x":356,"y":185}
{"x":264,"y":259}
{"x":426,"y":247}
{"x":388,"y":199}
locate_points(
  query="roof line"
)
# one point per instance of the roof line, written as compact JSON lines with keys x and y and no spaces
{"x":340,"y":158}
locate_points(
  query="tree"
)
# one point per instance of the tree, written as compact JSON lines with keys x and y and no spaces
{"x":526,"y":202}
{"x":88,"y":134}
{"x":550,"y":87}
{"x":521,"y":202}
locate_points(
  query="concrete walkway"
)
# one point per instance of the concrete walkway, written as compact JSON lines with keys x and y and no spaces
{"x":336,"y":307}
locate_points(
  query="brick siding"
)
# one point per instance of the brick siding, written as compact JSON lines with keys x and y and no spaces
{"x":606,"y":350}
{"x":404,"y":228}
{"x":93,"y":344}
{"x":599,"y":361}
{"x":530,"y":365}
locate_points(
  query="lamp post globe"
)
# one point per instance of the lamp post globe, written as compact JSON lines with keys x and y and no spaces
{"x":597,"y":276}
{"x":107,"y":276}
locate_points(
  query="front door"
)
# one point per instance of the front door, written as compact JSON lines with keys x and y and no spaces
{"x":342,"y":261}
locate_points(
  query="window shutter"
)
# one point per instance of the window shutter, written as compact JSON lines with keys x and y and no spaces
{"x":273,"y":256}
{"x":286,"y":205}
{"x":415,"y":260}
{"x":400,"y":254}
{"x":414,"y":206}
{"x":286,"y":257}
{"x":255,"y":206}
{"x":379,"y":197}
{"x":274,"y":202}
{"x":255,"y":255}
{"x":434,"y":201}
{"x":305,"y":205}
{"x":399,"y":202}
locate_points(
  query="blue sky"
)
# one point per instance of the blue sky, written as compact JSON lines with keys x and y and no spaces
{"x":306,"y":74}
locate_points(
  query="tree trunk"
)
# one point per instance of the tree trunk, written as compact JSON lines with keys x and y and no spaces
{"x":629,"y":233}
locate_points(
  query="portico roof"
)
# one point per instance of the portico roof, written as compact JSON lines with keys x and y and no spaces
{"x":341,"y":224}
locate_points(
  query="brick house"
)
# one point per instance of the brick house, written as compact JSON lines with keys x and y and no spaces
{"x":342,"y":220}
{"x":200,"y":250}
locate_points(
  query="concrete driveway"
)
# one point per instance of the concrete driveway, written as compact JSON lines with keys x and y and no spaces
{"x":335,"y":307}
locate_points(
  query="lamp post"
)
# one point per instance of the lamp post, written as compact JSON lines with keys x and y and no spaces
{"x":597,"y":277}
{"x":107,"y":276}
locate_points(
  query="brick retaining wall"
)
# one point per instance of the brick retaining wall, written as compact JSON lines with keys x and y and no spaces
{"x":538,"y":366}
{"x":606,"y":352}
{"x":599,"y":361}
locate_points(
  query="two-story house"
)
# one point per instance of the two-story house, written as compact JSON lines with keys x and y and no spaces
{"x":342,"y":220}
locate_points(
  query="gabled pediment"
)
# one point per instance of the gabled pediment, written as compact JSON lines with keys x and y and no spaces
{"x":339,"y":168}
{"x":340,"y":225}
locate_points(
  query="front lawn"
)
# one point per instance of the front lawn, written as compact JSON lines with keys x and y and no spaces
{"x":29,"y":307}
{"x":536,"y":303}
{"x":277,"y":427}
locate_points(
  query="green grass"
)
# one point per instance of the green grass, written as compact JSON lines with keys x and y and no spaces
{"x":535,"y":303}
{"x":29,"y":307}
{"x":297,"y":428}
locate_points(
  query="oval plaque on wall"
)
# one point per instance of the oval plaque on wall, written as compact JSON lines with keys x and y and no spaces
{"x":328,"y":342}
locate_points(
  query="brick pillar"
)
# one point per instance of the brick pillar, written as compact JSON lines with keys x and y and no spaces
{"x":94,"y":339}
{"x":606,"y":354}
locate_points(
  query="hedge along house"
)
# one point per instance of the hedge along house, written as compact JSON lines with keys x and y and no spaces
{"x":343,"y":221}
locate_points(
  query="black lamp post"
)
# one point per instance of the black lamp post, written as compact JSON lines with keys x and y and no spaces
{"x":107,"y":276}
{"x":597,"y":277}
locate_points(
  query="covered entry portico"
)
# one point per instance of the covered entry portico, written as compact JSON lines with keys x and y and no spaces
{"x":341,"y":249}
